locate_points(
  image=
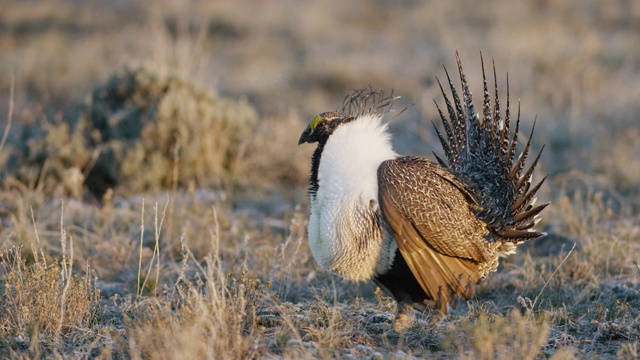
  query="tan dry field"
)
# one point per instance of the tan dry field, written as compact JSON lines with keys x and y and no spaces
{"x":153,"y":199}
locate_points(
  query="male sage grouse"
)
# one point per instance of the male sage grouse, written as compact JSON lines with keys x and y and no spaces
{"x":425,"y":232}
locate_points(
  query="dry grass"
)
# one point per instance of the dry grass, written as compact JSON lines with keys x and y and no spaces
{"x":250,"y":289}
{"x":39,"y":297}
{"x":165,"y":267}
{"x":506,"y":336}
{"x":45,"y":304}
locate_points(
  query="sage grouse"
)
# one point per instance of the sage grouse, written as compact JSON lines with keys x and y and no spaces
{"x":424,"y":232}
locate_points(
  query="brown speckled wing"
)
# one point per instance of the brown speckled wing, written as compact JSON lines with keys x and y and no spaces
{"x":430,"y":215}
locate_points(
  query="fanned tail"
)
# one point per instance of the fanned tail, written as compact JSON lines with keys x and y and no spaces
{"x":482,"y":154}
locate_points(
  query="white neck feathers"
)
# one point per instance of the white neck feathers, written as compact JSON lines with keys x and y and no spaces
{"x":352,"y":154}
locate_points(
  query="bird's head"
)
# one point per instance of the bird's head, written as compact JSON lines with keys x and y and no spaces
{"x":322,"y":126}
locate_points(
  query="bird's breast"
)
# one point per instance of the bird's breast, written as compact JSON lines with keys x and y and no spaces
{"x":348,"y":237}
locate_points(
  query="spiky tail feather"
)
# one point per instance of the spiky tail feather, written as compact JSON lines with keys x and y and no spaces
{"x":482,"y":153}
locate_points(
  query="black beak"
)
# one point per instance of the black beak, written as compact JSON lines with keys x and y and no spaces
{"x":305,"y":136}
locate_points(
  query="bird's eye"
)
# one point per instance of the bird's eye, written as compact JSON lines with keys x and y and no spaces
{"x":314,"y":122}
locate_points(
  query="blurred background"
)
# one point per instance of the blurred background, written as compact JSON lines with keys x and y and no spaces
{"x":575,"y":65}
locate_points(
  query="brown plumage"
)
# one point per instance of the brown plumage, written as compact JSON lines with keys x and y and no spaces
{"x":427,"y":210}
{"x":450,"y":222}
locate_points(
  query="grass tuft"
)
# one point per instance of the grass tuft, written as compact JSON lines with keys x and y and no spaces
{"x":488,"y":336}
{"x":44,"y":300}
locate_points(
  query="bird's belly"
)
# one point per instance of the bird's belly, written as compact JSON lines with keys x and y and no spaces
{"x":350,"y":242}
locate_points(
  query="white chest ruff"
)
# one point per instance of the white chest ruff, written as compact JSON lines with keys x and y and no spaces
{"x":344,"y":242}
{"x":346,"y":232}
